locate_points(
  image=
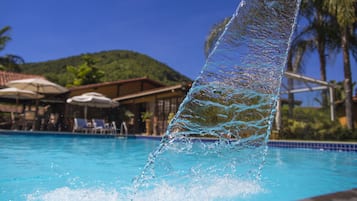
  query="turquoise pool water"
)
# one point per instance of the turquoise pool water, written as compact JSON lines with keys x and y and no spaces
{"x":95,"y":168}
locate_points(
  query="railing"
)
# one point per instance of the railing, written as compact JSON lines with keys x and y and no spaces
{"x":123,"y":127}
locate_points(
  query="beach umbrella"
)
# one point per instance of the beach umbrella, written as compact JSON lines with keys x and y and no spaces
{"x":18,"y":94}
{"x":38,"y":85}
{"x":92,"y":99}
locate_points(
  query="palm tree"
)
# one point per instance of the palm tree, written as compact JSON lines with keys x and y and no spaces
{"x":214,"y":34}
{"x":318,"y":35}
{"x":295,"y":55}
{"x":8,"y":62}
{"x":317,"y":28}
{"x":321,"y":34}
{"x":344,"y":14}
{"x":294,"y":64}
{"x":3,"y":37}
{"x":11,"y":63}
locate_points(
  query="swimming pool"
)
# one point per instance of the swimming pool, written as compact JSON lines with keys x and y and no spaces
{"x":47,"y":167}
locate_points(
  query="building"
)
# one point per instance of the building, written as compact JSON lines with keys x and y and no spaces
{"x":7,"y":106}
{"x":138,"y":98}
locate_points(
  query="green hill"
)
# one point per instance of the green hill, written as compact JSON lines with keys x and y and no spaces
{"x":116,"y":65}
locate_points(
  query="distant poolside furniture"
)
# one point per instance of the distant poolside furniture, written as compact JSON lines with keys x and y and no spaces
{"x":17,"y":121}
{"x":100,"y":126}
{"x":81,"y":125}
{"x":29,"y":120}
{"x":52,"y":122}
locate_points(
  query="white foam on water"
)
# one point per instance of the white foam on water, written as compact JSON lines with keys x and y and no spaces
{"x":219,"y":189}
{"x":68,"y":194}
{"x":210,"y":189}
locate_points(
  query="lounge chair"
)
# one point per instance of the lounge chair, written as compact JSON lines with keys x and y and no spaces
{"x":81,"y":125}
{"x":100,"y":126}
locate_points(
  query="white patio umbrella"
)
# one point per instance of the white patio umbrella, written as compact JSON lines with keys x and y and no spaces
{"x":38,"y":85}
{"x":18,"y":94}
{"x":92,"y":99}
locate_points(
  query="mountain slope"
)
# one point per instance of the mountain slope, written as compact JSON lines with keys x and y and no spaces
{"x":116,"y":65}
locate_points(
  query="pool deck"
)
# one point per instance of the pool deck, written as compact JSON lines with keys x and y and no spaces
{"x":349,"y":195}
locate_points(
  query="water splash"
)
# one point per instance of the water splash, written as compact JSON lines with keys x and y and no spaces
{"x":66,"y":193}
{"x":221,"y":188}
{"x":233,"y":101}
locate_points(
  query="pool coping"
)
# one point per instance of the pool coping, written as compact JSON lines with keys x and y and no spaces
{"x":321,"y":145}
{"x":348,"y":195}
{"x":56,"y":133}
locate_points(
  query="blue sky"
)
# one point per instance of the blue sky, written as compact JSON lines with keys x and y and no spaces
{"x":172,"y":32}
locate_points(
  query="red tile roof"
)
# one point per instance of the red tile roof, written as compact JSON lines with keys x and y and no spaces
{"x":6,"y":77}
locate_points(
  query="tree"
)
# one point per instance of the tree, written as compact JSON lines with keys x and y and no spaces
{"x":3,"y":37}
{"x":295,"y":55}
{"x":8,"y":62}
{"x":294,"y":64}
{"x":214,"y":35}
{"x":319,"y":34}
{"x":344,"y":14}
{"x":11,"y":63}
{"x":86,"y":73}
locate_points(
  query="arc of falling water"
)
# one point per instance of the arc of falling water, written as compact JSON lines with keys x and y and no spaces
{"x":237,"y":90}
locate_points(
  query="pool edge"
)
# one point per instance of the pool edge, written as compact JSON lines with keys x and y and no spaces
{"x":321,"y":145}
{"x":348,"y":195}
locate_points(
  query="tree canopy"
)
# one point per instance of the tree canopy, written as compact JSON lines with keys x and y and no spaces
{"x":8,"y":62}
{"x":85,"y":73}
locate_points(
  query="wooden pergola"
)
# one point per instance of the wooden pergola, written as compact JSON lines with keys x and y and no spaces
{"x":310,"y":84}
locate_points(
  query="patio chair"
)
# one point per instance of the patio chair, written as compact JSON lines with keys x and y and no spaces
{"x":100,"y":126}
{"x":81,"y":125}
{"x":29,"y":122}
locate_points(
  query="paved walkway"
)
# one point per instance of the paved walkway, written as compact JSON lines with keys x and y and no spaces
{"x":350,"y":195}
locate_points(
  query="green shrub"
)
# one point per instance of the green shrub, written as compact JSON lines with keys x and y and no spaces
{"x":313,"y":124}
